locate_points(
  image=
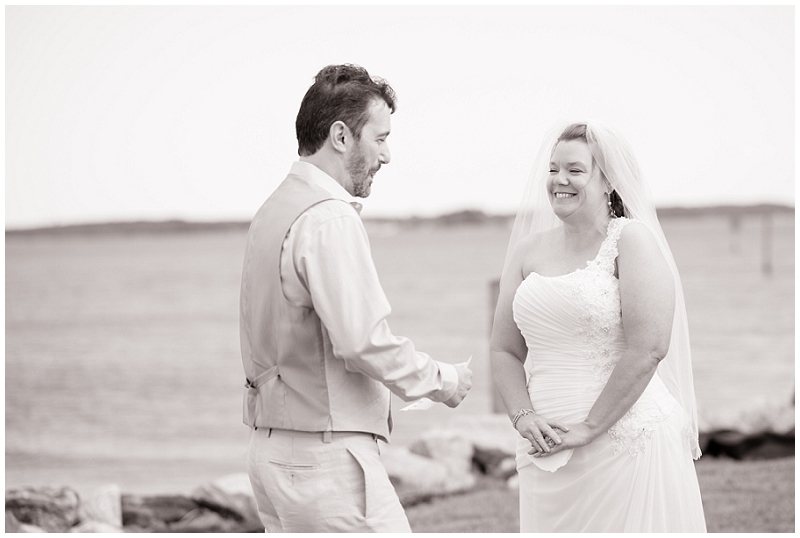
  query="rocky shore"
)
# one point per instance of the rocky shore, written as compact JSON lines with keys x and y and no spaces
{"x":439,"y":463}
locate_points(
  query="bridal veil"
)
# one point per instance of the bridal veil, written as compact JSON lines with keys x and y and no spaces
{"x":619,"y":166}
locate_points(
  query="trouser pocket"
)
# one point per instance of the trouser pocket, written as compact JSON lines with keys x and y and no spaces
{"x":382,"y":509}
{"x":294,"y":466}
{"x":365,"y":486}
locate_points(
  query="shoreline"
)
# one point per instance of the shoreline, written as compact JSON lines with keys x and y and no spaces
{"x":176,"y":477}
{"x":171,"y":475}
{"x":738,"y":496}
{"x":143,"y":476}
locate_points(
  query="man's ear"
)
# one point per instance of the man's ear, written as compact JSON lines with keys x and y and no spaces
{"x":339,"y":136}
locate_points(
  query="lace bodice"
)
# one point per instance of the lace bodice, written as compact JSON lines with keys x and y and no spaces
{"x":595,"y":293}
{"x":572,"y":325}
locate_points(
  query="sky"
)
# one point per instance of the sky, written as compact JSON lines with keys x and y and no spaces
{"x":187,"y":112}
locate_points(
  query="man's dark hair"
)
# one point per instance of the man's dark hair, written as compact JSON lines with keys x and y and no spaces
{"x":339,"y":93}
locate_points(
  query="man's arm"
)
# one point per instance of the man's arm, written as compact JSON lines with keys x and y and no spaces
{"x":335,"y":264}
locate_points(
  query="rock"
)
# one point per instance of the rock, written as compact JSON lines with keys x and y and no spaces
{"x":447,"y":447}
{"x":52,"y":509}
{"x":492,"y":462}
{"x":763,"y":429}
{"x":14,"y":526}
{"x":103,"y":505}
{"x":136,"y":528}
{"x":513,"y":482}
{"x":12,"y":523}
{"x":492,"y":437}
{"x":417,"y":478}
{"x":741,"y":446}
{"x":205,"y":520}
{"x":95,"y":526}
{"x":490,"y":432}
{"x":758,"y":416}
{"x":231,"y":496}
{"x":33,"y":529}
{"x":142,"y":520}
{"x":154,"y":512}
{"x":507,"y":468}
{"x":211,"y":511}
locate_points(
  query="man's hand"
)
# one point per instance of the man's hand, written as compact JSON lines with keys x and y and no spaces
{"x":464,"y":384}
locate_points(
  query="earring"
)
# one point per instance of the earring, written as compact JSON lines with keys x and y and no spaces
{"x":610,"y":207}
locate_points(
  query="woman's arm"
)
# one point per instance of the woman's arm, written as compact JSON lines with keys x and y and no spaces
{"x":647,"y":294}
{"x":507,"y":355}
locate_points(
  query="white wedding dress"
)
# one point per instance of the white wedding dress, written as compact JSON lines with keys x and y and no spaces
{"x":637,"y":477}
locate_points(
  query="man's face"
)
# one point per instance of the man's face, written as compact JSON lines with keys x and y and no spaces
{"x":371,"y":151}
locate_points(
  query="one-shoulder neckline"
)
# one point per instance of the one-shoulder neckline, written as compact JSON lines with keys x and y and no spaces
{"x":588,"y":263}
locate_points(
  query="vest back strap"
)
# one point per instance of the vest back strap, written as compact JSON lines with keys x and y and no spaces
{"x":251,"y":394}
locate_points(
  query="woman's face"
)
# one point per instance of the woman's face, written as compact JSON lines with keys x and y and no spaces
{"x":575,"y":184}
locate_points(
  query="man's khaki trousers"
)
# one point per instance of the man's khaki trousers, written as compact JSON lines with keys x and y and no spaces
{"x":322,"y":482}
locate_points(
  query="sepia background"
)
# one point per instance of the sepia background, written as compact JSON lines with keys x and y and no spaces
{"x":140,"y":140}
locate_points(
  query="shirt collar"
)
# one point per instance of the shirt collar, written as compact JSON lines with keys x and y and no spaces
{"x":320,"y":179}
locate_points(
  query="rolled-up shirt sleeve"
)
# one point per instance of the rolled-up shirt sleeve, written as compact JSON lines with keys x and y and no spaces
{"x":335,"y":264}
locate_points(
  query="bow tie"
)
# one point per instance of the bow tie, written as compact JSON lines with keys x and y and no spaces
{"x":357,"y":207}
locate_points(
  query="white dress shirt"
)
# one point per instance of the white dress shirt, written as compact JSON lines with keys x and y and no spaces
{"x":326,"y":264}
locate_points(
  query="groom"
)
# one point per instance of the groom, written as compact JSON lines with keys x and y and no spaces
{"x":318,"y":355}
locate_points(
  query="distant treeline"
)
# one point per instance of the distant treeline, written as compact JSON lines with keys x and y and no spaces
{"x":468,"y":217}
{"x":136,"y":227}
{"x":725,"y":211}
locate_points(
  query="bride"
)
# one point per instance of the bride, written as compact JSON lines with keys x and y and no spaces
{"x":590,"y":348}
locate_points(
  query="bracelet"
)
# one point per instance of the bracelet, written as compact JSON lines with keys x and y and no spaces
{"x":521,"y":413}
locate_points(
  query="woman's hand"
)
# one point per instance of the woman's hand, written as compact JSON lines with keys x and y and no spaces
{"x":538,"y":430}
{"x":575,"y":436}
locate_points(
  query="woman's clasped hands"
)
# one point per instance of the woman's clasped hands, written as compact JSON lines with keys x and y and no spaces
{"x":548,"y":437}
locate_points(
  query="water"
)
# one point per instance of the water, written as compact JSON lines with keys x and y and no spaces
{"x":122,"y":352}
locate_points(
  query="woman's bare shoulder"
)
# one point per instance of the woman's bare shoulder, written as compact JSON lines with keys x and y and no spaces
{"x":638,"y":248}
{"x":535,"y":241}
{"x":533,"y":247}
{"x":635,"y":235}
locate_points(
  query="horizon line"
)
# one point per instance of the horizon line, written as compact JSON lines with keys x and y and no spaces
{"x":465,"y":216}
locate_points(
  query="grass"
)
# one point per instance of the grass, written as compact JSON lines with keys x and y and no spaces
{"x":738,"y":496}
{"x":748,"y":496}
